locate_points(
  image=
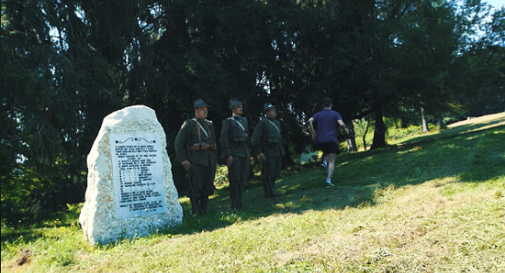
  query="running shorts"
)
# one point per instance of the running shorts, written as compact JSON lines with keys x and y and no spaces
{"x":330,"y":147}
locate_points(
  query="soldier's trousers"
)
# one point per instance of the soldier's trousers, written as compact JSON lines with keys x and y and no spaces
{"x":274,"y":170}
{"x":203,"y":187}
{"x":203,"y":179}
{"x":237,"y":174}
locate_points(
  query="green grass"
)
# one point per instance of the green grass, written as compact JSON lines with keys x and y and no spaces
{"x":428,"y":203}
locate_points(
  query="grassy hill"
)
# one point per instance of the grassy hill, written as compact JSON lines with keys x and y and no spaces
{"x":430,"y":203}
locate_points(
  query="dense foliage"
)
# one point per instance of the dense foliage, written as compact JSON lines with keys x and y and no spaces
{"x":66,"y":64}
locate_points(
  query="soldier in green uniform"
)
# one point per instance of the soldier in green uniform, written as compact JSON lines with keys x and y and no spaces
{"x":267,"y":144}
{"x":236,"y":148}
{"x":195,"y":146}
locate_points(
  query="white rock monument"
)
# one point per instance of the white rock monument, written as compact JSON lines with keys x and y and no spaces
{"x":130,"y":189}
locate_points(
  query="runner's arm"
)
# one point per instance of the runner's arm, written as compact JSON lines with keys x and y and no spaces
{"x":342,"y":124}
{"x":311,"y":127}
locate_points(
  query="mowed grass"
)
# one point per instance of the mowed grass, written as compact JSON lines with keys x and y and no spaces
{"x":431,"y":203}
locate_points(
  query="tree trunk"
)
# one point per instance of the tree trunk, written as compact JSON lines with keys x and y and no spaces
{"x":351,"y":141}
{"x":441,"y":123}
{"x":366,"y":131}
{"x":379,"y":137}
{"x":425,"y":124}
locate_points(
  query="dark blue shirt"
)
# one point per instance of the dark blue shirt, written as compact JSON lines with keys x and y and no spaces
{"x":327,"y":124}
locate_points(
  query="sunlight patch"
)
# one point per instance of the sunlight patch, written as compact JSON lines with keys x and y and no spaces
{"x":442,"y":182}
{"x":417,"y":148}
{"x":289,"y":204}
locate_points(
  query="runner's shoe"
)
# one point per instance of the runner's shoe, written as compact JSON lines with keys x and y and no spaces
{"x":329,"y":185}
{"x":324,"y":165}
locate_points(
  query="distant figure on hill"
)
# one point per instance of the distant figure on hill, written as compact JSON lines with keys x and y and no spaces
{"x":326,"y":136}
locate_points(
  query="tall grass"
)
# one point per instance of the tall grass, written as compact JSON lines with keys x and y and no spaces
{"x":431,"y":203}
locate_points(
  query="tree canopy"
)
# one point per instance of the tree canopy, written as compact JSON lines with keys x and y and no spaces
{"x":66,"y":64}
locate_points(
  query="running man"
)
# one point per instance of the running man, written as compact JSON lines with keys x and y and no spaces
{"x":327,"y":121}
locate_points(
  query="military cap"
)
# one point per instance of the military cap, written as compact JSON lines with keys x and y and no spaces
{"x":234,"y":103}
{"x":200,"y":103}
{"x":267,"y":106}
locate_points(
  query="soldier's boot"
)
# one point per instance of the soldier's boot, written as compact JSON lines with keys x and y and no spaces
{"x":204,"y":202}
{"x":232,"y":195}
{"x":195,"y":206}
{"x":265,"y":186}
{"x":236,"y":192}
{"x":273,"y":182}
{"x":240,"y":194}
{"x":272,"y":187}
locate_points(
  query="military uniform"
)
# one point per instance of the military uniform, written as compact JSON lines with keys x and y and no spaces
{"x":235,"y":141}
{"x":267,"y":139}
{"x":199,"y":136}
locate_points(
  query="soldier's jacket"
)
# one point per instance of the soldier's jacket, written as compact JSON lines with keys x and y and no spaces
{"x":189,"y":132}
{"x":234,"y":137}
{"x":271,"y":130}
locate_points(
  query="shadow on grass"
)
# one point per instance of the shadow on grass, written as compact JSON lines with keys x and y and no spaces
{"x":30,"y":232}
{"x":470,"y":153}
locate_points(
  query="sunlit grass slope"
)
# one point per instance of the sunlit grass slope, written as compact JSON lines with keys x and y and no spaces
{"x":432,"y":203}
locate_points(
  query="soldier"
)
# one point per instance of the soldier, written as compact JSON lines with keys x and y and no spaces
{"x":236,"y":148}
{"x":195,"y":146}
{"x":267,"y":144}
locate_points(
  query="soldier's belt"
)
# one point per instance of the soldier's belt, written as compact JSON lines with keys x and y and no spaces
{"x":273,"y":142}
{"x":203,"y":146}
{"x":238,"y":142}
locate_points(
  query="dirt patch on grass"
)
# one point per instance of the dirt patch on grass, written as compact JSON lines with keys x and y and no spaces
{"x":21,"y":262}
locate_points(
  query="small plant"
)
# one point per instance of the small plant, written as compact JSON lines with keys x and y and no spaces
{"x":221,"y":178}
{"x":498,"y":193}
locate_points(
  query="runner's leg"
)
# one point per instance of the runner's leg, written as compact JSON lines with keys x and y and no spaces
{"x":331,"y":164}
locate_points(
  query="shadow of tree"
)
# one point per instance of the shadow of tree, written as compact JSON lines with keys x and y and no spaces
{"x":469,"y":154}
{"x":30,"y":232}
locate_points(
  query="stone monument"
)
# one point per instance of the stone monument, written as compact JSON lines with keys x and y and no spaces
{"x":130,"y":189}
